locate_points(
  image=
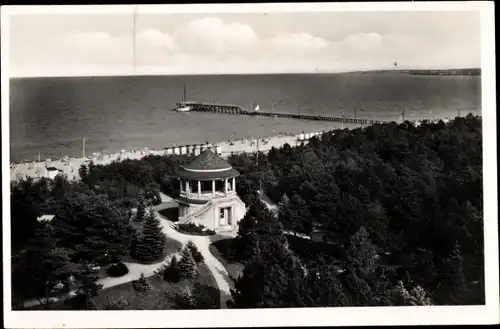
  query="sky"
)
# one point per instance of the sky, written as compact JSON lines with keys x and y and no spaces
{"x":239,"y":43}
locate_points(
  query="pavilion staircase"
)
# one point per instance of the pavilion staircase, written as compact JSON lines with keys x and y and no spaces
{"x":210,"y":205}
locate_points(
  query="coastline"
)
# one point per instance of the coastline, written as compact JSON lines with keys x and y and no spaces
{"x":69,"y":166}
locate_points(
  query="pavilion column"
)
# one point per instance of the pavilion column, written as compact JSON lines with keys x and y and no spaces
{"x":187,"y":187}
{"x":213,"y":187}
{"x":199,"y":189}
{"x":225,"y":186}
{"x":234,"y":184}
{"x":181,"y":184}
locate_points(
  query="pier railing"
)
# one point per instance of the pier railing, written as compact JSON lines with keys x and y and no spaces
{"x":237,"y":109}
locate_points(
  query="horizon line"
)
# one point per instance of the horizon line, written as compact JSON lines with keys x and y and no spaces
{"x":402,"y":70}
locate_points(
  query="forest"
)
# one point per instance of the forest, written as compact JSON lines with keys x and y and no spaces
{"x":394,"y":213}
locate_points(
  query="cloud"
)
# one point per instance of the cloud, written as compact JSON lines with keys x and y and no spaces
{"x":96,"y":48}
{"x":363,"y":41}
{"x":211,"y":45}
{"x":212,"y":35}
{"x":156,"y":39}
{"x":298,"y":42}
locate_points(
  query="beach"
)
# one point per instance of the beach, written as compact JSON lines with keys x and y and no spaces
{"x":69,"y":166}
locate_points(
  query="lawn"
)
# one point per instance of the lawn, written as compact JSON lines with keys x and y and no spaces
{"x":162,"y":295}
{"x":222,"y":250}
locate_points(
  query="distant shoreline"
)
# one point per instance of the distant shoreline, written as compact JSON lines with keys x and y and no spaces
{"x":430,"y":72}
{"x":437,"y":72}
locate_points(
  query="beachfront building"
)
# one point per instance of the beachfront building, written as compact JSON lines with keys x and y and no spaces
{"x":208,"y":193}
{"x":51,"y":172}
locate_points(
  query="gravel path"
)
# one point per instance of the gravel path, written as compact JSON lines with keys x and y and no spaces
{"x":202,"y":243}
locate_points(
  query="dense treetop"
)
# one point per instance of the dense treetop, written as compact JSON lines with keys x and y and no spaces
{"x":395,"y":212}
{"x":414,"y":192}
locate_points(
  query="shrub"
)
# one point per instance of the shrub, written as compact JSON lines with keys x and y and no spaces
{"x":142,"y":284}
{"x":191,"y":228}
{"x":205,"y":297}
{"x":117,"y":270}
{"x":173,"y":272}
{"x":197,"y":297}
{"x":197,"y":256}
{"x":117,"y":303}
{"x":187,"y":265}
{"x":185,"y":299}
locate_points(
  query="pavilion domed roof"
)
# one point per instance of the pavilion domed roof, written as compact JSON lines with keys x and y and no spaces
{"x":206,"y":161}
{"x":207,"y":166}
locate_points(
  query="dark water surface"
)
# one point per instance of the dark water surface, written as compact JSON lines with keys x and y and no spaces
{"x":51,"y":115}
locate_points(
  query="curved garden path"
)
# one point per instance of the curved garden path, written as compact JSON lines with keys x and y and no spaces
{"x":202,"y":243}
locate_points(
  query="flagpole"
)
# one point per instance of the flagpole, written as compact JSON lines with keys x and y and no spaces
{"x":83,"y":149}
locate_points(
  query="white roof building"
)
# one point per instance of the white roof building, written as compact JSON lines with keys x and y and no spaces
{"x":45,"y":218}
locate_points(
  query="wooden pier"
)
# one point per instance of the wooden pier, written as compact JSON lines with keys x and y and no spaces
{"x":237,"y":109}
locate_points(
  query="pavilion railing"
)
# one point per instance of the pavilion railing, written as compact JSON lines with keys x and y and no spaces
{"x":205,"y":195}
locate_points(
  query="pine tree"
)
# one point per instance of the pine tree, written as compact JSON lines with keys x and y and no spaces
{"x":142,"y":284}
{"x":259,"y":224}
{"x":454,"y":278}
{"x":96,"y":229}
{"x":300,"y":218}
{"x":361,"y":266}
{"x":187,"y":264}
{"x":362,"y":253}
{"x":185,"y":299}
{"x":284,"y":209}
{"x":173,"y":271}
{"x":197,"y":256}
{"x":149,"y":244}
{"x":269,"y":279}
{"x":41,"y":266}
{"x":141,"y":212}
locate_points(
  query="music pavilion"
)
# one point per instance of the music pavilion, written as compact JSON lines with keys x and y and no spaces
{"x":208,"y":193}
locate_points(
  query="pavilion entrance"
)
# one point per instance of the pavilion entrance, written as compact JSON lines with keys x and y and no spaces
{"x":225,"y":216}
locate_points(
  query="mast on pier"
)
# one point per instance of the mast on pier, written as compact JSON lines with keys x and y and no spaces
{"x":257,"y":163}
{"x":83,"y":149}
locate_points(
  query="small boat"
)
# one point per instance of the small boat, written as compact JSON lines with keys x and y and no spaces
{"x":257,"y":108}
{"x":182,"y":106}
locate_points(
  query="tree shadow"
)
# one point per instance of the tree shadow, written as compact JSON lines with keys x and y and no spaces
{"x":203,"y":297}
{"x":225,"y":247}
{"x":172,"y":213}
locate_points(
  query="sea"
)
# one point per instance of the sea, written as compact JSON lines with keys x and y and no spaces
{"x":51,"y":116}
